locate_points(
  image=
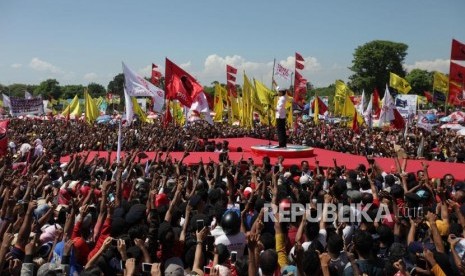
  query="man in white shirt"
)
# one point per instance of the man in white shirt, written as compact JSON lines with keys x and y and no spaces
{"x":281,"y":119}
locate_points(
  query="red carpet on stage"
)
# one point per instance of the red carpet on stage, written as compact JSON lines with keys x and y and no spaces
{"x":325,"y":157}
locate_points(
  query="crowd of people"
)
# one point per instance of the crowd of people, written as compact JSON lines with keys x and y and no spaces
{"x":94,"y":216}
{"x":415,"y":143}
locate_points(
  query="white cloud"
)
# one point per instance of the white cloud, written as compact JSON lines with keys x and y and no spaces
{"x":16,"y":65}
{"x":311,"y":64}
{"x":215,"y":69}
{"x":43,"y":66}
{"x":91,"y":77}
{"x":145,"y":71}
{"x":185,"y":65}
{"x":441,"y":65}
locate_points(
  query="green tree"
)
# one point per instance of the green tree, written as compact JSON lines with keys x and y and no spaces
{"x":18,"y":89}
{"x":69,"y":91}
{"x":420,"y":81}
{"x":328,"y":91}
{"x":96,"y":90}
{"x":48,"y":88}
{"x":116,"y":86}
{"x":372,"y":63}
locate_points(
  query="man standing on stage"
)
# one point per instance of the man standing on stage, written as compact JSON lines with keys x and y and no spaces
{"x":281,"y":119}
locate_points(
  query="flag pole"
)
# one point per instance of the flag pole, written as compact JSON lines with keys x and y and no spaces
{"x":272,"y":74}
{"x":118,"y":150}
{"x":269,"y":106}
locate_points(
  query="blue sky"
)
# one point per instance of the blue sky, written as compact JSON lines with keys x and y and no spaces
{"x":78,"y":42}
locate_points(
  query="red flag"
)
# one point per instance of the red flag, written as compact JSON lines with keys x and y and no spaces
{"x":457,"y":73}
{"x":298,"y":57}
{"x":299,"y":65}
{"x":232,"y":91}
{"x":300,"y":89}
{"x":352,"y":99}
{"x":210,"y":100}
{"x":231,"y":77}
{"x":458,"y":50}
{"x":231,"y":70}
{"x":298,"y":77}
{"x":355,"y":126}
{"x":168,"y":118}
{"x":429,"y":96}
{"x":376,"y":102}
{"x":180,"y":85}
{"x":398,"y":122}
{"x":156,"y":75}
{"x":455,"y":94}
{"x":322,"y":108}
{"x":3,"y":137}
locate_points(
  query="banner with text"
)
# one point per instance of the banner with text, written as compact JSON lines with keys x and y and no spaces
{"x":21,"y":106}
{"x":406,"y":104}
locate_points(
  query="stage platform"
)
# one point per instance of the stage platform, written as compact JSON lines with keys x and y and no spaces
{"x":325,"y":158}
{"x":291,"y":151}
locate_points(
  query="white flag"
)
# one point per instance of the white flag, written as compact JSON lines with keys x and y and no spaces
{"x":282,"y":71}
{"x":137,"y":86}
{"x":129,"y":108}
{"x":27,"y":95}
{"x":6,"y":101}
{"x":361,"y":105}
{"x":424,"y":123}
{"x":367,"y":113}
{"x":201,"y":105}
{"x":387,"y":111}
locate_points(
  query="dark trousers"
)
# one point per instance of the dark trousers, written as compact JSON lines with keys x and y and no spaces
{"x":281,"y":131}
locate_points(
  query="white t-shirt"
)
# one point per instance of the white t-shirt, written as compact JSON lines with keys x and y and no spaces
{"x":25,"y":148}
{"x":217,"y":231}
{"x":235,"y":242}
{"x":281,"y":108}
{"x":321,"y":238}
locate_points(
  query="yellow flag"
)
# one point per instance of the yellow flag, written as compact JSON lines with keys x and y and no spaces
{"x":178,"y":113}
{"x":73,"y":108}
{"x":342,"y":90}
{"x":349,"y":111}
{"x":218,"y":103}
{"x":235,"y":110}
{"x":255,"y":103}
{"x":265,"y":95}
{"x":422,"y":100}
{"x":316,"y":110}
{"x":399,"y":83}
{"x":247,"y":107}
{"x":440,"y":82}
{"x":139,"y":112}
{"x":92,"y":111}
{"x":289,"y":110}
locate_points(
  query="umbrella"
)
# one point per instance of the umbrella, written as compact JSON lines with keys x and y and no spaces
{"x":456,"y":116}
{"x":445,"y":119}
{"x":461,"y":132}
{"x":306,"y":107}
{"x":103,"y":119}
{"x":452,"y":126}
{"x":430,"y":117}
